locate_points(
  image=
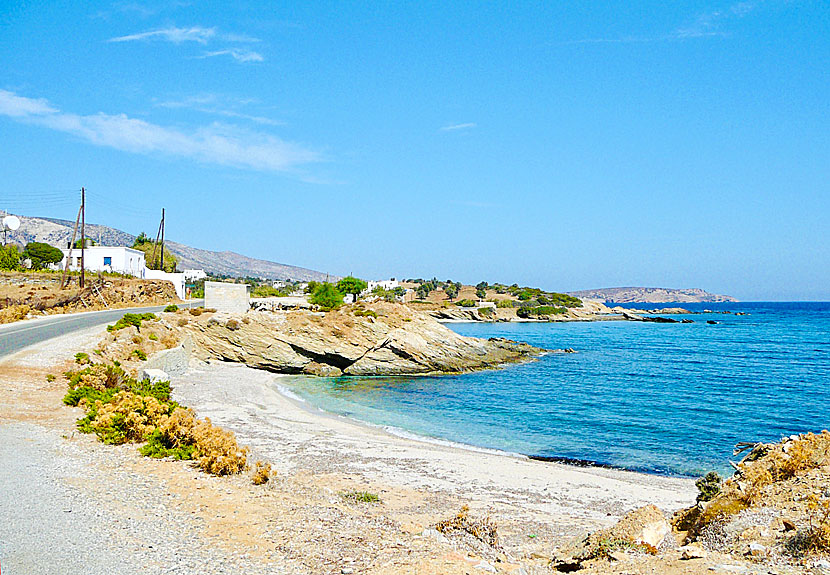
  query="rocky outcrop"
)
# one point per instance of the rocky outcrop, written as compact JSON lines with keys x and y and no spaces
{"x":384,"y":339}
{"x":651,"y":295}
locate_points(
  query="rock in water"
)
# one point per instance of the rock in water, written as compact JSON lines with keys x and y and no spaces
{"x":386,"y":339}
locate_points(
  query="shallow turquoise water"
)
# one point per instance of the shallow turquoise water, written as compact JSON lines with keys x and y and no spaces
{"x":661,"y":398}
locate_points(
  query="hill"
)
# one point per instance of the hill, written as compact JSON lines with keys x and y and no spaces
{"x":59,"y":233}
{"x":651,"y":295}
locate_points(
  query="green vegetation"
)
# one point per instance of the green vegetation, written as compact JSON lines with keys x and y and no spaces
{"x":539,"y":311}
{"x":152,"y":254}
{"x":133,"y":319}
{"x":486,"y":312}
{"x":41,"y":254}
{"x":361,"y":496}
{"x":140,"y":354}
{"x":352,"y":285}
{"x":82,"y":358}
{"x":466,"y":303}
{"x":708,"y":486}
{"x":451,"y":290}
{"x":171,"y":308}
{"x":504,"y":303}
{"x":360,"y":312}
{"x":388,"y":294}
{"x":9,"y":258}
{"x":326,"y":296}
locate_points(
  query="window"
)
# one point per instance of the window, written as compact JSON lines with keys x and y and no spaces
{"x":107,"y":261}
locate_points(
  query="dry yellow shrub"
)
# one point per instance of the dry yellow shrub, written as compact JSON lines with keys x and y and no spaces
{"x":13,"y":313}
{"x":262,"y":473}
{"x":484,"y":530}
{"x":217,"y":450}
{"x":130,"y":416}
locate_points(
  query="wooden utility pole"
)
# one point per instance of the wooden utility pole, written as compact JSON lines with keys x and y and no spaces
{"x":83,"y":235}
{"x":162,"y":239}
{"x":71,"y":245}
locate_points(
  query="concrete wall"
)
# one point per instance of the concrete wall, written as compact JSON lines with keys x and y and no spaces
{"x":176,"y":279}
{"x":227,"y":297}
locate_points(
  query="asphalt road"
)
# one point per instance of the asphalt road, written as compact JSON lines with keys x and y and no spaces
{"x":16,"y":336}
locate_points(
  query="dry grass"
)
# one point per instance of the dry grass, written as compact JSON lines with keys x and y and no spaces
{"x":484,"y":529}
{"x":14,"y":313}
{"x":262,"y":473}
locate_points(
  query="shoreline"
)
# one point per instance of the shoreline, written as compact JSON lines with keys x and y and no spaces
{"x":400,"y":432}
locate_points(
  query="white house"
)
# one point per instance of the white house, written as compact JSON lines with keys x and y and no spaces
{"x":385,"y":284}
{"x":194,"y":275}
{"x":121,"y":260}
{"x":107,"y":259}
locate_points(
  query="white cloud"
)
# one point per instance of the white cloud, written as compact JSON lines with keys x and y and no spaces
{"x":219,"y":106}
{"x":214,"y":144}
{"x":174,"y":35}
{"x":238,"y":55}
{"x":454,"y":127}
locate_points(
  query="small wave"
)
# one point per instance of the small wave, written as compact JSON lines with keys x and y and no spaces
{"x":288,"y":393}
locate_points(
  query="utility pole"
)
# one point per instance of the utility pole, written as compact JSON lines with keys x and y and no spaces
{"x":162,"y":239}
{"x":83,"y":235}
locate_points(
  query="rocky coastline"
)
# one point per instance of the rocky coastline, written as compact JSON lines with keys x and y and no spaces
{"x":384,"y":339}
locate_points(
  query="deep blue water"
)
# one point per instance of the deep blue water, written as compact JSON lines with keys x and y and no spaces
{"x":661,"y":398}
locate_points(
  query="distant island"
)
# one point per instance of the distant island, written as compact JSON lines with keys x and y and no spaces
{"x":651,"y":295}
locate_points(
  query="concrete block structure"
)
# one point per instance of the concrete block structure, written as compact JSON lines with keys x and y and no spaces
{"x":227,"y":297}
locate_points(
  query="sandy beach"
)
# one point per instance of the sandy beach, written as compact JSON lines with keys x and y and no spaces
{"x":298,"y":522}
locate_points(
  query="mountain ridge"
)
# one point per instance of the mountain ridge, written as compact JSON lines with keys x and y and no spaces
{"x":58,"y":232}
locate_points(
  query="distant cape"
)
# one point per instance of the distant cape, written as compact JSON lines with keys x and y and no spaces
{"x":651,"y":295}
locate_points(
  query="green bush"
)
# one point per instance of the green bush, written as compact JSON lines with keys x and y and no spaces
{"x":466,"y":303}
{"x":81,"y":358}
{"x":360,"y":312}
{"x":486,"y":311}
{"x":352,"y":285}
{"x":9,"y":258}
{"x":540,"y":311}
{"x":708,"y":486}
{"x":140,"y":354}
{"x":133,"y":319}
{"x":504,"y":303}
{"x":159,"y":445}
{"x":326,"y":297}
{"x":171,"y":308}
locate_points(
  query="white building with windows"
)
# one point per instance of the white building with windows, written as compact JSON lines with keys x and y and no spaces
{"x":111,"y":259}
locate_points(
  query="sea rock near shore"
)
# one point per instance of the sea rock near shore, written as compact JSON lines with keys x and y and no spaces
{"x":384,"y":339}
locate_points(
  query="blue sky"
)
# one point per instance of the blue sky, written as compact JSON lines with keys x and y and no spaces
{"x":566,"y":145}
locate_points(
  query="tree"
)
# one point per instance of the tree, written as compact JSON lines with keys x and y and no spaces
{"x":423,"y":290}
{"x":481,"y":293}
{"x":144,"y":244}
{"x":41,"y":254}
{"x":311,"y":286}
{"x":326,"y":296}
{"x":352,"y":285}
{"x":9,"y":258}
{"x":451,"y":290}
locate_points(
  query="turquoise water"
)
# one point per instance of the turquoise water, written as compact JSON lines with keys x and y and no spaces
{"x":660,"y":398}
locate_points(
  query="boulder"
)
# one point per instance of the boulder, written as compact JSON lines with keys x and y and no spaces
{"x":154,"y":375}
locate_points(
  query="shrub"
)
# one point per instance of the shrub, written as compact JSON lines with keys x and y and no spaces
{"x":232,"y":324}
{"x":196,"y":311}
{"x":136,"y":339}
{"x":466,"y":303}
{"x":9,"y":258}
{"x":360,"y":496}
{"x":486,"y":312}
{"x":504,"y":303}
{"x":14,"y":313}
{"x":360,"y":312}
{"x":262,"y":474}
{"x":153,"y":337}
{"x":326,"y":297}
{"x":182,"y":322}
{"x":131,"y":319}
{"x":217,"y":450}
{"x":708,"y":486}
{"x":540,"y":311}
{"x":484,"y":530}
{"x":50,"y":377}
{"x":171,"y":308}
{"x":81,"y":358}
{"x":351,"y":285}
{"x":140,"y":354}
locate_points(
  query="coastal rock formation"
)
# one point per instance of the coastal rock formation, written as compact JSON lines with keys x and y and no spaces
{"x":386,"y":339}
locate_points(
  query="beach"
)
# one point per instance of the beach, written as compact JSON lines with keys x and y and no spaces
{"x":165,"y":512}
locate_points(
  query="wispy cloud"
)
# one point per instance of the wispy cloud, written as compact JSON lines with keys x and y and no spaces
{"x":173,"y":34}
{"x":220,"y":106}
{"x":238,"y":55}
{"x":455,"y":127}
{"x":215,"y":144}
{"x":708,"y":24}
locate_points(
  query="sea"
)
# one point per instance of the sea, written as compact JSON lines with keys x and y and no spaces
{"x":661,"y":398}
